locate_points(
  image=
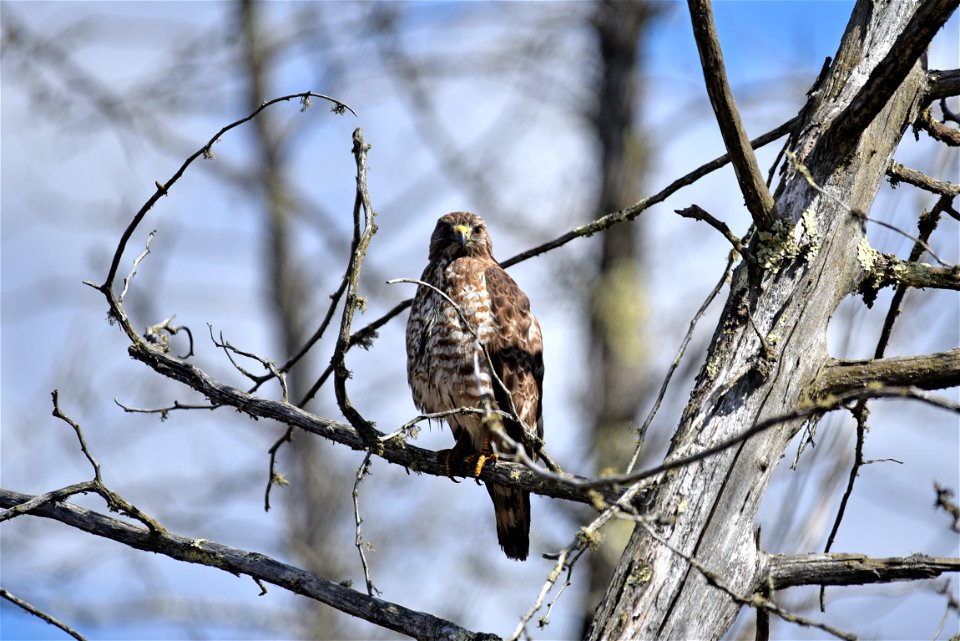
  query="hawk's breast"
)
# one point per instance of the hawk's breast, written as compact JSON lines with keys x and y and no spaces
{"x":446,"y":366}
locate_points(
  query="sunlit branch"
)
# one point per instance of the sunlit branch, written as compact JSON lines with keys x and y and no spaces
{"x":928,"y":372}
{"x":756,"y":196}
{"x":786,"y":571}
{"x":259,"y":566}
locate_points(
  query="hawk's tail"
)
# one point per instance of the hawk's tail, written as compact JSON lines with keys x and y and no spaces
{"x":512,"y":507}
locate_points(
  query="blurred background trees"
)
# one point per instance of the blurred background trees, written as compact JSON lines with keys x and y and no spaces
{"x":537,"y":116}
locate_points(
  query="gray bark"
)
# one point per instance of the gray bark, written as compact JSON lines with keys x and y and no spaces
{"x":707,"y":510}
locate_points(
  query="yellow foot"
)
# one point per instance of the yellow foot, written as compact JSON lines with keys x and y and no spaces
{"x":460,"y":461}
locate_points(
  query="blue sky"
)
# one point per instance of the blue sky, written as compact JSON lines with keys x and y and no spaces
{"x":70,"y":185}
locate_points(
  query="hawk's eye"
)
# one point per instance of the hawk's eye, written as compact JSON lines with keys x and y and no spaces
{"x":477,"y":229}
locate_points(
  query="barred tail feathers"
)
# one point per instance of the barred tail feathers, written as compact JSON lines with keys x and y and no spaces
{"x":512,"y":508}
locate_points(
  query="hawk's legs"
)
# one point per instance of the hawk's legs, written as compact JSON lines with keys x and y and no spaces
{"x":463,"y":460}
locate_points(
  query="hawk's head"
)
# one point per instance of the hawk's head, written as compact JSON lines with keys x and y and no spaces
{"x":460,"y":234}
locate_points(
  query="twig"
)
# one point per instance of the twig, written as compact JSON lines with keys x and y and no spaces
{"x":697,"y":213}
{"x":944,"y":501}
{"x":273,"y":476}
{"x":136,"y":263}
{"x":160,"y":334}
{"x":925,"y":225}
{"x":114,"y":501}
{"x":624,"y":215}
{"x":358,"y":249}
{"x":755,"y":193}
{"x":642,"y":432}
{"x":37,"y":612}
{"x":898,"y":173}
{"x":860,"y":413}
{"x":164,"y":412}
{"x":268,"y":365}
{"x":587,"y":536}
{"x":53,"y":496}
{"x":163,"y":189}
{"x":358,"y":521}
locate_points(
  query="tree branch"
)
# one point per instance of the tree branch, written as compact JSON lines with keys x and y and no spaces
{"x":395,"y":450}
{"x":358,"y":250}
{"x":943,"y":84}
{"x":930,"y":371}
{"x":40,"y":614}
{"x":786,"y":571}
{"x":898,"y":173}
{"x":890,"y":73}
{"x":938,"y":131}
{"x":383,"y":613}
{"x":755,"y":193}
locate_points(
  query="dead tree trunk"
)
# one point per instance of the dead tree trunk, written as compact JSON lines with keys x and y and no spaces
{"x":770,"y":345}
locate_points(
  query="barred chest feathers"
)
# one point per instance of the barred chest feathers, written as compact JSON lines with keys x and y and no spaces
{"x":443,"y":353}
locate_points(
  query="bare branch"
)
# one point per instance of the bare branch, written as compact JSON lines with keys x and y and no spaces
{"x":816,"y":408}
{"x":136,"y":263}
{"x":755,"y":193}
{"x":259,"y":566}
{"x":943,"y":83}
{"x":786,"y":571}
{"x":37,"y":612}
{"x":358,"y":522}
{"x":630,"y":213}
{"x":945,"y":502}
{"x":395,"y":450}
{"x":205,"y":151}
{"x":697,"y":213}
{"x":937,"y":130}
{"x":642,"y":431}
{"x":898,"y":173}
{"x":930,"y":371}
{"x":358,"y":249}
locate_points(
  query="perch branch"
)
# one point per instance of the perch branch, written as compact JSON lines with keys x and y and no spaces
{"x":394,"y":450}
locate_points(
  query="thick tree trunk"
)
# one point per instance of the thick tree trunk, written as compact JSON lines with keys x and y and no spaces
{"x":707,"y":510}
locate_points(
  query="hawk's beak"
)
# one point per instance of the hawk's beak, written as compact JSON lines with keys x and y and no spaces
{"x":462,"y":233}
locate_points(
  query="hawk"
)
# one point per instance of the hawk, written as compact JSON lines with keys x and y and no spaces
{"x":452,"y":364}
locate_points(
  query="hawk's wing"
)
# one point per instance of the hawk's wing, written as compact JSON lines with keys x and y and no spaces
{"x":516,"y":353}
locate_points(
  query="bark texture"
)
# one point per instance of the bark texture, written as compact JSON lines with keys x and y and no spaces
{"x":707,"y":510}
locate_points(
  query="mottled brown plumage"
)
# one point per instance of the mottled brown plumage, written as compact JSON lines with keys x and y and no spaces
{"x":447,"y":367}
